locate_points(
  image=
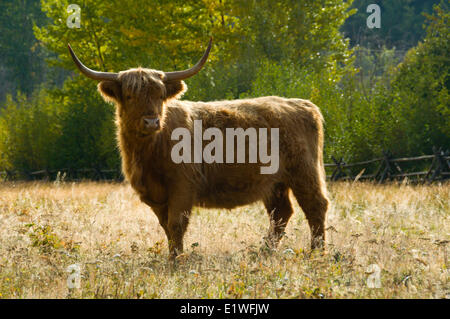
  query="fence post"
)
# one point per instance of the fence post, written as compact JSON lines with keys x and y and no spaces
{"x":398,"y":168}
{"x":6,"y":175}
{"x":71,"y":174}
{"x":387,"y":168}
{"x":99,"y":173}
{"x":28,"y":175}
{"x":9,"y":175}
{"x":338,"y":171}
{"x":439,"y":164}
{"x":119,"y":175}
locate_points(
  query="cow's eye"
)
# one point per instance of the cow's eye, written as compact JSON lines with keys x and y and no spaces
{"x":128,"y":97}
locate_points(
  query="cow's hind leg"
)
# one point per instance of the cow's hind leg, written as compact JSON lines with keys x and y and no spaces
{"x":310,"y":191}
{"x":280,"y":210}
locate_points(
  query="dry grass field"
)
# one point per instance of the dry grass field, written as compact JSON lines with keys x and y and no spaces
{"x":122,"y":251}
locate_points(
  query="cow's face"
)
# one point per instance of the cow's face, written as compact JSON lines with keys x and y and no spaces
{"x":140,"y":95}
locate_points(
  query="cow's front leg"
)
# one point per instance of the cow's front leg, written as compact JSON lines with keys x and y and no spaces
{"x":178,"y":222}
{"x":160,"y":210}
{"x":178,"y":219}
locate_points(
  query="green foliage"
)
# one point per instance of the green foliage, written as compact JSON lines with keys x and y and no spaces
{"x":87,"y":127}
{"x":58,"y":129}
{"x":306,"y":32}
{"x":29,"y":130}
{"x":355,"y":118}
{"x":421,"y":89}
{"x":401,"y":23}
{"x":20,"y":53}
{"x":288,"y":48}
{"x":293,"y":32}
{"x":43,"y":238}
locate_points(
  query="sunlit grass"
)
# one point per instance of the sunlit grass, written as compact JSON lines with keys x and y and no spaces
{"x":122,"y":250}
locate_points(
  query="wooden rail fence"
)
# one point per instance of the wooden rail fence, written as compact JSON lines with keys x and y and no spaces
{"x":388,"y":169}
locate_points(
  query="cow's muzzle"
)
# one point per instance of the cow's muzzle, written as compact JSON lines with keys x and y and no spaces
{"x":151,"y":123}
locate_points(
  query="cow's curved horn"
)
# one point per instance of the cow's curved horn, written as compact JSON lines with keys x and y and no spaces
{"x":181,"y":75}
{"x":100,"y":76}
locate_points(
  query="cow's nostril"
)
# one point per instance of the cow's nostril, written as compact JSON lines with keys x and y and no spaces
{"x":151,"y":122}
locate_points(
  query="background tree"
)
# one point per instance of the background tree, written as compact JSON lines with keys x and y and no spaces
{"x":21,"y":60}
{"x":318,"y":50}
{"x":401,"y":24}
{"x":421,"y":90}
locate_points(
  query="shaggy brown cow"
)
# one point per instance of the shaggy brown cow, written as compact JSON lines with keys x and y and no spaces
{"x":148,"y":110}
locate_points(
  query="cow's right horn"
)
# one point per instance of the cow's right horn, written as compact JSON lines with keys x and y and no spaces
{"x":181,"y":75}
{"x":100,"y":76}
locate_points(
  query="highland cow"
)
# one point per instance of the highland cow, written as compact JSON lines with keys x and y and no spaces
{"x":148,"y":110}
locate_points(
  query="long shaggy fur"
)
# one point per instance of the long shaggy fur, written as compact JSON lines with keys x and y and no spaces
{"x":171,"y":190}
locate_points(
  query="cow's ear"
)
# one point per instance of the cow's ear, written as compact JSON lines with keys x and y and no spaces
{"x":110,"y":90}
{"x":175,"y":89}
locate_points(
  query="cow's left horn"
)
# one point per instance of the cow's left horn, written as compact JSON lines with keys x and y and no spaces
{"x":100,"y":76}
{"x":181,"y":75}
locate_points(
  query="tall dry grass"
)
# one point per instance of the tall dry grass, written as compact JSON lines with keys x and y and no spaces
{"x":122,"y":251}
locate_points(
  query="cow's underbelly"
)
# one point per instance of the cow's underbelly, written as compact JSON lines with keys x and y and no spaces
{"x":226,"y":195}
